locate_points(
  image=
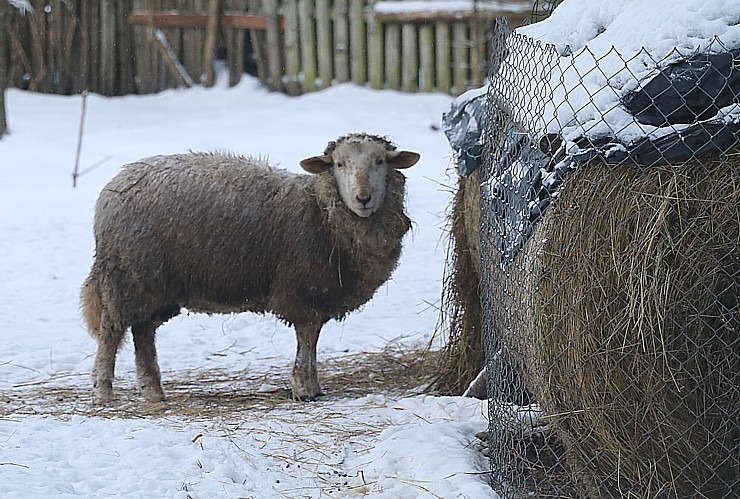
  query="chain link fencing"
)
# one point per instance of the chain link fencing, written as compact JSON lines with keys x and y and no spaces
{"x":609,"y":273}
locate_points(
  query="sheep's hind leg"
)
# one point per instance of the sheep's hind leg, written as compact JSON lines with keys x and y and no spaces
{"x":305,"y":378}
{"x":148,"y":377}
{"x":109,"y":340}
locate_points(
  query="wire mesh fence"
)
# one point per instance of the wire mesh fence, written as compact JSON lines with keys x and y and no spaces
{"x":610,"y":271}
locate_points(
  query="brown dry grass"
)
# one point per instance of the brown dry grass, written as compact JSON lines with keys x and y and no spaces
{"x":460,"y":323}
{"x":221,"y":393}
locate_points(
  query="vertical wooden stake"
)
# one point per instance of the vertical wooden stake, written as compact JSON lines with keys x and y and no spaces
{"x":209,"y":49}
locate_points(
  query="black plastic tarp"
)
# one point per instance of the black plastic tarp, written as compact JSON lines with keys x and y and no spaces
{"x":695,"y":103}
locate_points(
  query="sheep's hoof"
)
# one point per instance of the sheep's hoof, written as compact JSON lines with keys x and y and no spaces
{"x":102,"y":392}
{"x":307,"y":397}
{"x":152,"y":393}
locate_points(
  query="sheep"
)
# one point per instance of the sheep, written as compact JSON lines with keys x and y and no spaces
{"x":222,"y":233}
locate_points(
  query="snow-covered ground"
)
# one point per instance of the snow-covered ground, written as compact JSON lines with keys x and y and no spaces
{"x":55,"y":443}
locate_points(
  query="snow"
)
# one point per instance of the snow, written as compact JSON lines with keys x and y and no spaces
{"x":381,"y":445}
{"x":610,"y":48}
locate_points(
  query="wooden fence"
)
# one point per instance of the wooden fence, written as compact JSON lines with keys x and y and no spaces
{"x":144,"y":46}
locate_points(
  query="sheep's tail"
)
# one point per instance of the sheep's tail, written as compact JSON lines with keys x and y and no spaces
{"x":92,"y":305}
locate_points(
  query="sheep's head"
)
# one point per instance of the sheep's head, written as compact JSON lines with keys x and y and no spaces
{"x":360,"y":163}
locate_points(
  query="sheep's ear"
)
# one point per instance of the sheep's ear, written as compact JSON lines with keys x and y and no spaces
{"x":317,"y":164}
{"x":402,"y":159}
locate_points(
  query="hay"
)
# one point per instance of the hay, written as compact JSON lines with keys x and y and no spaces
{"x":221,"y":393}
{"x":460,"y":318}
{"x":624,"y":306}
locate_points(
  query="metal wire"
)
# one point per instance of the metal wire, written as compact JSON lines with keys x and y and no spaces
{"x":610,"y":276}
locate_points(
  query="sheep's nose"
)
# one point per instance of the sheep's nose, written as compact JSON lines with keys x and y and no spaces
{"x":364,"y":200}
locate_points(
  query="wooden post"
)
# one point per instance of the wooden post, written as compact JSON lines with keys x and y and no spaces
{"x":308,"y":44}
{"x":171,"y":38}
{"x":477,"y":52}
{"x":209,"y":49}
{"x":258,"y":45}
{"x":274,"y":59}
{"x":37,"y":24}
{"x":459,"y":57}
{"x":324,"y":52}
{"x":107,"y":47}
{"x":235,"y":45}
{"x":4,"y":62}
{"x":53,"y":35}
{"x":73,"y":54}
{"x":192,"y":44}
{"x":81,"y":59}
{"x":443,"y":60}
{"x":357,"y":42}
{"x":341,"y":41}
{"x":375,"y":51}
{"x":292,"y":49}
{"x":410,"y":73}
{"x":393,"y":56}
{"x":125,"y":57}
{"x":426,"y":54}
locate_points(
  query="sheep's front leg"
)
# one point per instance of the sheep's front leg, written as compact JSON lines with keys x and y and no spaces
{"x":305,"y":379}
{"x":147,"y":370}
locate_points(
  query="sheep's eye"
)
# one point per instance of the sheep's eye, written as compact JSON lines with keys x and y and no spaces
{"x":379,"y":161}
{"x":340,"y":164}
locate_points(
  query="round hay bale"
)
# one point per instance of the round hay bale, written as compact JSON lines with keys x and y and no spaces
{"x":626,"y":325}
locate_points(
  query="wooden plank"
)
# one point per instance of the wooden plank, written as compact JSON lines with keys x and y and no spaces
{"x":324,"y":52}
{"x":460,"y":65}
{"x":426,"y":57}
{"x":292,"y":48}
{"x":392,"y":51}
{"x":410,"y":65}
{"x":443,"y":57}
{"x":424,"y":17}
{"x":187,"y":20}
{"x":341,"y":41}
{"x":375,"y":52}
{"x":357,"y":42}
{"x":308,"y":44}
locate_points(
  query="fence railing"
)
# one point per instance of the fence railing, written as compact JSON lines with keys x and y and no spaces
{"x":296,"y":46}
